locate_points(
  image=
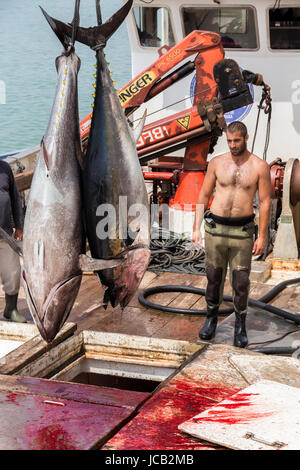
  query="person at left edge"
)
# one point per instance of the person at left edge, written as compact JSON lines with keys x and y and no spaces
{"x":11,"y":212}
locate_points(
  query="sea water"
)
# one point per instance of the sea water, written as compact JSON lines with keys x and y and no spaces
{"x":28,"y":49}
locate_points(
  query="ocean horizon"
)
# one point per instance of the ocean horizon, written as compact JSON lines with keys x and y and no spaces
{"x":27,"y":65}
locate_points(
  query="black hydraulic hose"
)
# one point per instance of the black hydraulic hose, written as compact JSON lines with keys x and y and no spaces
{"x":260,"y":303}
{"x":188,"y":289}
{"x":277,"y":289}
{"x":276,"y":350}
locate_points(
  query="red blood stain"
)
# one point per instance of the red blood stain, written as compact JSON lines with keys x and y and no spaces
{"x":241,"y":400}
{"x":156,"y":425}
{"x":52,"y":437}
{"x":215,"y":392}
{"x":12,"y":397}
{"x":237,"y":414}
{"x":224,"y":418}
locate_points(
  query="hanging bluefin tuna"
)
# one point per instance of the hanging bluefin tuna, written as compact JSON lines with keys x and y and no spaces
{"x":115,"y":202}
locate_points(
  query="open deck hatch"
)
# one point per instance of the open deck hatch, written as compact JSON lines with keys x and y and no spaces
{"x":103,"y":359}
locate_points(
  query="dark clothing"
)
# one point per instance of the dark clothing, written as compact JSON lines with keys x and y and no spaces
{"x":231,"y":221}
{"x":10,"y":202}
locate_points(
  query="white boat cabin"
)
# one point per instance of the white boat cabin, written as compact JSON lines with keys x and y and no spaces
{"x":263,"y":37}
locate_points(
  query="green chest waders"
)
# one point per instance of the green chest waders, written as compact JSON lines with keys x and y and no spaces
{"x":228,"y":245}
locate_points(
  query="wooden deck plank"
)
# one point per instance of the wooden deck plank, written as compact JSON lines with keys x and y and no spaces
{"x":282,"y":300}
{"x":293,"y":302}
{"x":163,"y":279}
{"x":182,"y":327}
{"x":88,"y":311}
{"x":258,"y":289}
{"x":146,"y":281}
{"x":189,"y":300}
{"x":135,"y":321}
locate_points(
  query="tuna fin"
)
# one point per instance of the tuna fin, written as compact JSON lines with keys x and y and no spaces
{"x":58,"y":27}
{"x":46,"y":155}
{"x":88,"y":264}
{"x":15,"y":244}
{"x":139,"y":128}
{"x":79,"y":153}
{"x":93,"y":37}
{"x":52,"y":171}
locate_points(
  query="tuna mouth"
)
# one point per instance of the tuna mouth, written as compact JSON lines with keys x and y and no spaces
{"x":120,"y":283}
{"x":56,"y":308}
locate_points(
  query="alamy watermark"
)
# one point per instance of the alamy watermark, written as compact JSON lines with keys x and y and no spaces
{"x":2,"y":92}
{"x":122,"y":221}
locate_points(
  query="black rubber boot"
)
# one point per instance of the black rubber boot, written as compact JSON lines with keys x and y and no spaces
{"x":208,"y":330}
{"x":11,"y":312}
{"x":240,"y":334}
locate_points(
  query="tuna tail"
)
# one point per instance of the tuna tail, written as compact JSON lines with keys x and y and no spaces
{"x":95,"y":37}
{"x":58,"y":27}
{"x":66,"y":37}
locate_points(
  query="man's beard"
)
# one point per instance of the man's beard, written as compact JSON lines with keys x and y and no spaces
{"x":240,"y":151}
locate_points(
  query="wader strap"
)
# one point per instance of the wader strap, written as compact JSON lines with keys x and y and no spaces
{"x":231,"y":221}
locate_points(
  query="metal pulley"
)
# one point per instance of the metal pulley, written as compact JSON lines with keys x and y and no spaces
{"x":295,"y":183}
{"x":288,"y":234}
{"x":277,"y":171}
{"x":277,"y":174}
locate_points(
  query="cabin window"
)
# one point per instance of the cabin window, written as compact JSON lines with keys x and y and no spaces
{"x":154,"y":26}
{"x":236,"y":25}
{"x":284,"y":28}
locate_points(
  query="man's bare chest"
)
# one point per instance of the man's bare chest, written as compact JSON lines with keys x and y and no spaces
{"x":242,"y":176}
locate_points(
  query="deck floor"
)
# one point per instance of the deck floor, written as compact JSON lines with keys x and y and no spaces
{"x":89,"y":314}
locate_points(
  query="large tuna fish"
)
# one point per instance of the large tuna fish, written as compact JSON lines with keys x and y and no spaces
{"x":53,"y":235}
{"x":113,"y":191}
{"x":114,"y":195}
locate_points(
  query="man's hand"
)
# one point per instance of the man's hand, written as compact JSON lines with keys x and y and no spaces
{"x":259,"y":246}
{"x":18,"y":234}
{"x":197,"y":238}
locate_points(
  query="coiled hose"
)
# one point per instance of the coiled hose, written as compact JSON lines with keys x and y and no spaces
{"x":261,"y":303}
{"x":174,"y":253}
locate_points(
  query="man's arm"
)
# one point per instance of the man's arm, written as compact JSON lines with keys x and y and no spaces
{"x":203,"y":200}
{"x":17,"y":209}
{"x":264,"y":195}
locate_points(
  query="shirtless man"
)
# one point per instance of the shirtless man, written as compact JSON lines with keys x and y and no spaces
{"x":229,"y":226}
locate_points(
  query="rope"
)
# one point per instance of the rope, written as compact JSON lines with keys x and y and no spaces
{"x":75,"y":22}
{"x":173,"y":253}
{"x":98,"y":12}
{"x":268,"y":132}
{"x":276,"y":4}
{"x":265,"y":98}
